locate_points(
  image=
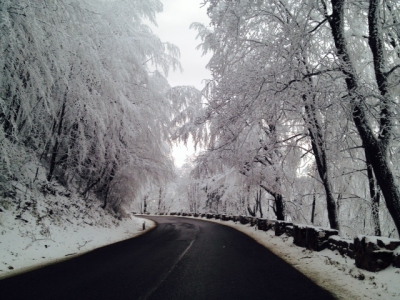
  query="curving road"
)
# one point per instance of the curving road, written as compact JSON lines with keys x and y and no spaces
{"x":180,"y":259}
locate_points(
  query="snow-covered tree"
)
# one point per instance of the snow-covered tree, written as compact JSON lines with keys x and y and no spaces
{"x":83,"y":85}
{"x":324,"y":75}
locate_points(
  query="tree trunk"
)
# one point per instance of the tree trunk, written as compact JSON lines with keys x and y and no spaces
{"x":375,"y":148}
{"x":375,"y":199}
{"x":279,"y":207}
{"x":313,"y":209}
{"x":252,"y":212}
{"x":159,"y":200}
{"x":256,"y":207}
{"x":259,"y":203}
{"x":318,"y":147}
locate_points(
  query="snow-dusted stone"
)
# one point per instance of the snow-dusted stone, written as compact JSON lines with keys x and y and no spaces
{"x":243,"y":220}
{"x":235,"y":218}
{"x":317,"y":237}
{"x":184,"y":214}
{"x":345,"y":247}
{"x":299,"y":235}
{"x":224,"y":218}
{"x":253,"y":221}
{"x":314,"y":238}
{"x":271,"y":224}
{"x":203,"y":215}
{"x":172,"y":213}
{"x":262,"y":224}
{"x":217,"y":216}
{"x":396,"y":257}
{"x":209,"y":216}
{"x":196,"y":215}
{"x":289,"y":230}
{"x":280,"y":227}
{"x":374,"y":253}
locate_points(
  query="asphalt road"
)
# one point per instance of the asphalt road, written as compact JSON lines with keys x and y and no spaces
{"x":180,"y":259}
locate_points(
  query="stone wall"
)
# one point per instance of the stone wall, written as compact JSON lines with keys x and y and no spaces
{"x":369,"y":252}
{"x":343,"y":246}
{"x":374,"y":253}
{"x":311,"y":237}
{"x":280,"y":227}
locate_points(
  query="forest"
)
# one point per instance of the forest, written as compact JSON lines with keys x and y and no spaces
{"x":83,"y":89}
{"x":299,"y":121}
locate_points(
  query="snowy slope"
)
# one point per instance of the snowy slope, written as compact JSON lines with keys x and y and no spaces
{"x":43,"y":222}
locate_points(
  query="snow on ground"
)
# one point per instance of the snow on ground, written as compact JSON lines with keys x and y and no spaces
{"x":26,"y":243}
{"x":21,"y":249}
{"x":334,"y":272}
{"x":43,"y":222}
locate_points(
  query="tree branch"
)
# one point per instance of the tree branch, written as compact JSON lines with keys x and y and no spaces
{"x":319,"y":25}
{"x":387,"y":74}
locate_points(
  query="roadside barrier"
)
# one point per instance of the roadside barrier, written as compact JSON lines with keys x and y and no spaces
{"x":372,"y":253}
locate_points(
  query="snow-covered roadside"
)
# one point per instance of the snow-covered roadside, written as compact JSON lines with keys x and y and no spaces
{"x":43,"y":222}
{"x":19,"y":253}
{"x":334,"y":272}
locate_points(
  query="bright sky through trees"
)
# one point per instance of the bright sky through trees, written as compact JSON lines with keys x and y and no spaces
{"x":173,"y":26}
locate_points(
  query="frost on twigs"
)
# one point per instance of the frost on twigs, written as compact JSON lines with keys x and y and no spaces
{"x":87,"y":96}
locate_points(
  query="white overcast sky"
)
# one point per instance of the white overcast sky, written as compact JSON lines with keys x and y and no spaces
{"x":173,"y":26}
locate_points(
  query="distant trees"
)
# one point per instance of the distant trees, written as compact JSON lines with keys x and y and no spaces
{"x":82,"y":85}
{"x":305,"y":94}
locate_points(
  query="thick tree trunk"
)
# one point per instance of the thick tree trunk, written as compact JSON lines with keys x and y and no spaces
{"x":377,"y":48}
{"x":279,"y":207}
{"x":375,"y":199}
{"x":375,"y":148}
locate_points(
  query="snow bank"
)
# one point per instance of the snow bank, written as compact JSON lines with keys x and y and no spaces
{"x":22,"y":249}
{"x":43,"y":223}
